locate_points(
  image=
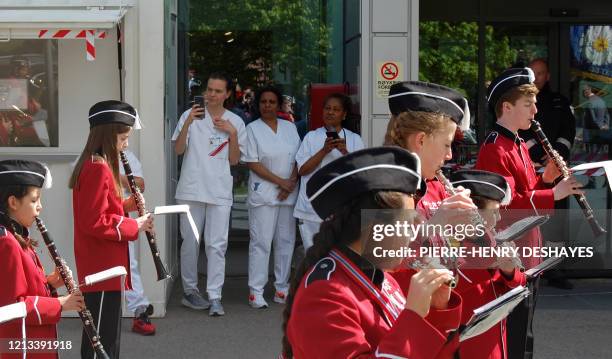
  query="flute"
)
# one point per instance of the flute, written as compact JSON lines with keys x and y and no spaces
{"x":62,"y":268}
{"x":162,"y":273}
{"x":475,"y":217}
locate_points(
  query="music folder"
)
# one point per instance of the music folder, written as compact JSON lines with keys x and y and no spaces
{"x":490,"y":314}
{"x":520,"y":227}
{"x":179,"y":208}
{"x":544,"y":266}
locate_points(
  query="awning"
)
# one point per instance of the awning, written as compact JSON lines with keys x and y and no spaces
{"x":60,"y":23}
{"x":26,"y":23}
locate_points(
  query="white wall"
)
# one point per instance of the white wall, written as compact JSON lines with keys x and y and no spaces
{"x":81,"y":84}
{"x":389,"y":32}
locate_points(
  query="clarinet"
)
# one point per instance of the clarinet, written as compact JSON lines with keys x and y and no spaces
{"x":475,"y":216}
{"x":162,"y":273}
{"x":71,"y":286}
{"x":565,"y":172}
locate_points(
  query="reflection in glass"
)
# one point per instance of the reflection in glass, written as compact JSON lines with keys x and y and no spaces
{"x":28,"y":97}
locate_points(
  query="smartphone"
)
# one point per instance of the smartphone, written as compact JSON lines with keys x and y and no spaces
{"x":199,"y":100}
{"x":333,"y":135}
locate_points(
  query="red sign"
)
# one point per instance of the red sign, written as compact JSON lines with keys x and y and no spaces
{"x":389,"y":71}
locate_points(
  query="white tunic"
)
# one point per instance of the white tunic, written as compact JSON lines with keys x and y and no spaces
{"x":276,"y":152}
{"x":205,"y":174}
{"x":313,"y":142}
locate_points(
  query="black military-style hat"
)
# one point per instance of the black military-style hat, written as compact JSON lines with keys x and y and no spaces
{"x":113,"y":111}
{"x":26,"y":173}
{"x":428,"y":97}
{"x":508,"y":79}
{"x":484,"y":184}
{"x":372,"y":169}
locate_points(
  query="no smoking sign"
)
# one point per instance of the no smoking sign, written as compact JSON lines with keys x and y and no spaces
{"x":389,"y":73}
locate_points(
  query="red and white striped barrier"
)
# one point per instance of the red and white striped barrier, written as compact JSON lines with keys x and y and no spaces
{"x":88,"y":35}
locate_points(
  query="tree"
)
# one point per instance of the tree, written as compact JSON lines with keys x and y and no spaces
{"x":268,"y":36}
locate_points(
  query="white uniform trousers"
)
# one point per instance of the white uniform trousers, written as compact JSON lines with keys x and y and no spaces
{"x":267,"y":225}
{"x":308,"y":229}
{"x":214,"y":221}
{"x":135,"y":297}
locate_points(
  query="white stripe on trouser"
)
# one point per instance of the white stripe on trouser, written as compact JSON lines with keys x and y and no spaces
{"x":267,"y":225}
{"x":215,"y":240}
{"x":135,"y":297}
{"x":99,"y":319}
{"x":308,"y":229}
{"x":23,"y":336}
{"x":385,"y":355}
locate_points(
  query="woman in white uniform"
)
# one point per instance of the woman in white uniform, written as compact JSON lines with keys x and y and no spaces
{"x":211,"y":140}
{"x":316,"y":151}
{"x":272,"y":144}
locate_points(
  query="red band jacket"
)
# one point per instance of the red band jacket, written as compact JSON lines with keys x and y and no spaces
{"x":101,"y":229}
{"x":24,"y":280}
{"x":505,"y":153}
{"x":476,"y":285}
{"x":334,"y":317}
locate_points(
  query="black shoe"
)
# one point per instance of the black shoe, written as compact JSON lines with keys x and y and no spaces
{"x":150,"y":310}
{"x":561,"y":283}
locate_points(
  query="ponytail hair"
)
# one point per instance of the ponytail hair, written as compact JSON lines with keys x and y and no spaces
{"x":342,"y":228}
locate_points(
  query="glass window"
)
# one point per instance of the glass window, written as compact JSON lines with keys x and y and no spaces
{"x":28,"y":93}
{"x":591,"y":88}
{"x":281,"y":42}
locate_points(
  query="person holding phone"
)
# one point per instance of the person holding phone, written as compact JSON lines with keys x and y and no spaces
{"x":318,"y":148}
{"x":211,"y":138}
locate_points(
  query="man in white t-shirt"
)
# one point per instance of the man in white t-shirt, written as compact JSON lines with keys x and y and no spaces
{"x":211,"y":140}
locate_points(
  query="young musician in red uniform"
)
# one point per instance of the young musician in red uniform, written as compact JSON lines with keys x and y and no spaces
{"x":484,"y":279}
{"x":24,"y":279}
{"x":512,"y":96}
{"x":424,"y":120}
{"x":342,"y":302}
{"x":101,"y":229}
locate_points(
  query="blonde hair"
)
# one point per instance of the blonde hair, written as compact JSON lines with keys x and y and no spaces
{"x":102,"y":146}
{"x":410,"y":122}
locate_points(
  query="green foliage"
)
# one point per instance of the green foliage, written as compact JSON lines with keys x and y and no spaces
{"x":284,"y":40}
{"x":449,"y":54}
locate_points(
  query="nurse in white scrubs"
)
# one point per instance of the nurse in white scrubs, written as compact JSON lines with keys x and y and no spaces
{"x":320,"y":147}
{"x":272,"y":144}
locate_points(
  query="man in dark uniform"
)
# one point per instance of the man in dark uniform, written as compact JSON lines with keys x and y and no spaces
{"x":559,"y":125}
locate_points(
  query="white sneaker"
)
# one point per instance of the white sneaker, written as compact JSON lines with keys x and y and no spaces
{"x":257,"y":302}
{"x":216,"y":309}
{"x":280,"y":297}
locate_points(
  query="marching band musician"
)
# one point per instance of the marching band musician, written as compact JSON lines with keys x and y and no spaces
{"x":424,"y":120}
{"x":24,"y":279}
{"x":100,"y":222}
{"x":343,"y":303}
{"x":482,"y":282}
{"x":512,"y":96}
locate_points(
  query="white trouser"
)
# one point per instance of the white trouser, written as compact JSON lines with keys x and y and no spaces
{"x":135,"y":297}
{"x":267,"y":225}
{"x":214,"y":221}
{"x":308,"y":229}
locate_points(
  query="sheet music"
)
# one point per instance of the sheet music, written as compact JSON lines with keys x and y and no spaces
{"x":179,"y":208}
{"x":518,"y":228}
{"x":544,"y":266}
{"x":493,"y":312}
